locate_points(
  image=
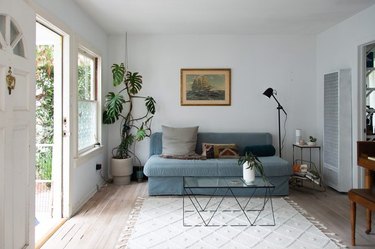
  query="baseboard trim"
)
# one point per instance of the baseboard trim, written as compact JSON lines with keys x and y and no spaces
{"x":83,"y":201}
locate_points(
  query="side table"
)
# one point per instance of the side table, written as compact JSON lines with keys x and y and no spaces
{"x":311,"y":164}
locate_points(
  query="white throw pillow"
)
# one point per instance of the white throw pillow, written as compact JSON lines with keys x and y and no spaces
{"x":179,"y":141}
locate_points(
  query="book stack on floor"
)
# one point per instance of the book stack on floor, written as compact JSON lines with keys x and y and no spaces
{"x":303,"y":172}
{"x":314,"y":178}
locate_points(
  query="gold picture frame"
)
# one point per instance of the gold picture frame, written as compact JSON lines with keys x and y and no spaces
{"x":205,"y":87}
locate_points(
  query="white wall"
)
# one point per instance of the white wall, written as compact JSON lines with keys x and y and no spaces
{"x":285,"y":63}
{"x":337,"y":48}
{"x":83,"y":176}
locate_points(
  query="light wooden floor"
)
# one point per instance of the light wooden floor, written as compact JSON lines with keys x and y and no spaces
{"x":332,"y":209}
{"x":99,"y":223}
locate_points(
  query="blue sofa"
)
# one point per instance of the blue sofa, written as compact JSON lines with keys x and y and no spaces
{"x":165,"y":175}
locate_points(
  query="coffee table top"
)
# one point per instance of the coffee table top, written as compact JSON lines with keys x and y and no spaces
{"x":224,"y":182}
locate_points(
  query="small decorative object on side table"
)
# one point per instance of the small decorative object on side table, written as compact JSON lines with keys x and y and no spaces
{"x":312,"y":141}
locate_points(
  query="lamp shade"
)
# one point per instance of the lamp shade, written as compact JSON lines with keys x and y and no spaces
{"x":268,"y":92}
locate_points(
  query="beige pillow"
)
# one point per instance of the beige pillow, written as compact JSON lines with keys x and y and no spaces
{"x":179,"y":141}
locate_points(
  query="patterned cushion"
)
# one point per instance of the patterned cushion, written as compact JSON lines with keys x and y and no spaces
{"x":219,"y":150}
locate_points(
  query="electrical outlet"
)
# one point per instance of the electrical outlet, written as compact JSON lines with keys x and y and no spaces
{"x":98,"y":166}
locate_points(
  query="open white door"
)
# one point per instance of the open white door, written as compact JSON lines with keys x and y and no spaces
{"x":17,"y":125}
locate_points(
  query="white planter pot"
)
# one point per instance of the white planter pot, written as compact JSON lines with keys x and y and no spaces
{"x":248,"y":174}
{"x":311,"y":143}
{"x":121,"y":170}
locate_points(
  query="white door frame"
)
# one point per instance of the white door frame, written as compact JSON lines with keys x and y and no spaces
{"x":358,"y":172}
{"x":57,"y":41}
{"x":50,"y":22}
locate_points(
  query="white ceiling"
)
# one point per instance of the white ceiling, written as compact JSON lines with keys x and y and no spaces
{"x":220,"y":16}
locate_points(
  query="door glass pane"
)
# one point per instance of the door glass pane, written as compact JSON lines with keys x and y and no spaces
{"x":2,"y":27}
{"x":19,"y":49}
{"x":14,"y":32}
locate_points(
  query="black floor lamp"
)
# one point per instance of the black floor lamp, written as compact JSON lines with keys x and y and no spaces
{"x":270,"y":92}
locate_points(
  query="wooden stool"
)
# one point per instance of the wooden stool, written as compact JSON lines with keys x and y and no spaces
{"x":366,"y":198}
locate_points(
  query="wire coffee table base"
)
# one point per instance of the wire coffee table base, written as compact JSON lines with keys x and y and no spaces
{"x":206,"y":208}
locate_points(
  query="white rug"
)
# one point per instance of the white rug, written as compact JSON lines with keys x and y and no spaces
{"x":157,"y":223}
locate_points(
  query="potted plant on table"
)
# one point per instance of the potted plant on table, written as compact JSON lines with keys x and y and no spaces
{"x":312,"y":141}
{"x":132,"y":128}
{"x":250,"y":164}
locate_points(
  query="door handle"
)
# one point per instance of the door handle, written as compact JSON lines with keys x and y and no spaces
{"x":11,"y":81}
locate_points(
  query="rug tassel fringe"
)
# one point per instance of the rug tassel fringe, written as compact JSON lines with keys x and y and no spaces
{"x":128,"y":229}
{"x":316,"y":223}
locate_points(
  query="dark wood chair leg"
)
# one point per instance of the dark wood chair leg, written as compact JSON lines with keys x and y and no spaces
{"x":368,"y":219}
{"x":353,"y":210}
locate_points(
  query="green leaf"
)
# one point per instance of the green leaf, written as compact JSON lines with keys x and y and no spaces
{"x":141,"y":134}
{"x":108,"y":119}
{"x":134,"y":82}
{"x":253,"y":161}
{"x":118,"y":73}
{"x":150,"y":104}
{"x":114,"y":107}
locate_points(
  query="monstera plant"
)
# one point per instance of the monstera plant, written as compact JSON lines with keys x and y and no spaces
{"x":119,"y":106}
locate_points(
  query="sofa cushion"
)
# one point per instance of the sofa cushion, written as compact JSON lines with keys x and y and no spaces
{"x":158,"y":166}
{"x":219,"y":150}
{"x":240,"y":139}
{"x":179,"y":141}
{"x":272,"y":165}
{"x":261,"y":150}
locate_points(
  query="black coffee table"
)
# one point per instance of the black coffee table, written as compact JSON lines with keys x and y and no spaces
{"x":220,"y":189}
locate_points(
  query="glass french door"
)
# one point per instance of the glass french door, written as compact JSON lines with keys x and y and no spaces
{"x":48,"y":109}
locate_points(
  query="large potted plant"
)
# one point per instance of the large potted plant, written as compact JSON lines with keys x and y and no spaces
{"x":119,"y":106}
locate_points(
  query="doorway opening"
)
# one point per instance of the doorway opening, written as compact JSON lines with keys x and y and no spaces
{"x":366,"y":109}
{"x":48,"y":96}
{"x":370,"y":92}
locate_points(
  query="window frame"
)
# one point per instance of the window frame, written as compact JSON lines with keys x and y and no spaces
{"x":97,"y":85}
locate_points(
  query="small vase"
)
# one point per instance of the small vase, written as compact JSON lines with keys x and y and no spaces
{"x":248,"y":173}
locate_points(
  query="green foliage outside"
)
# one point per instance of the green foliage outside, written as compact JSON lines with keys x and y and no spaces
{"x":84,"y":78}
{"x":44,"y":163}
{"x":45,"y":105}
{"x":44,"y":110}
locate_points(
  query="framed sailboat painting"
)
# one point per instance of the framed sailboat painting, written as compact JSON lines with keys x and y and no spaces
{"x":205,"y":87}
